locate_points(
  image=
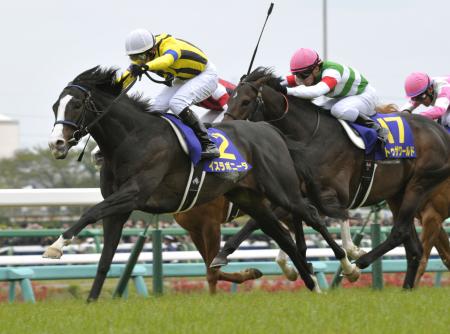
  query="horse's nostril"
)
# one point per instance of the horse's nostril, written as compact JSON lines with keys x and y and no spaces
{"x":59,"y":143}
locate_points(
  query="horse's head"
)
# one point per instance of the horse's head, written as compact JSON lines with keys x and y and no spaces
{"x":247,"y":101}
{"x":73,"y":110}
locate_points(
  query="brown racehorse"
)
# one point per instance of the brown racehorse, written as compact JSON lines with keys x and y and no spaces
{"x":432,"y":214}
{"x":203,"y":224}
{"x":405,"y":184}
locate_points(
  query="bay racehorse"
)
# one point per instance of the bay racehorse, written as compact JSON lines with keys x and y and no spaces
{"x":145,"y":168}
{"x":405,"y":184}
{"x":431,"y":216}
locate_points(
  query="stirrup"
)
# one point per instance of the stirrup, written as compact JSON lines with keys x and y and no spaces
{"x":383,"y":134}
{"x":210,"y":152}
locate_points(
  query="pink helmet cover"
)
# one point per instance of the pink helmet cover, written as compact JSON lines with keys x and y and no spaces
{"x":416,"y":83}
{"x":304,"y":59}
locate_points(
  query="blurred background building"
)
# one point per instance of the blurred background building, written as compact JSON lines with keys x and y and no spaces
{"x":9,"y":136}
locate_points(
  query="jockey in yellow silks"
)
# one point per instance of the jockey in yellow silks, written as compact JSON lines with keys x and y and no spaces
{"x":190,"y":77}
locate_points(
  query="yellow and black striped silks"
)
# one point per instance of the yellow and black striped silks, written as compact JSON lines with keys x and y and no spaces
{"x":174,"y":58}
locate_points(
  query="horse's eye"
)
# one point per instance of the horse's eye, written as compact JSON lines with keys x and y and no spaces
{"x":245,"y":103}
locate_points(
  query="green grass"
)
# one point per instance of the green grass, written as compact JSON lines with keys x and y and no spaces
{"x":425,"y":310}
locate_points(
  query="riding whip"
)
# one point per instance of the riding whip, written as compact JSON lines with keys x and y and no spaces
{"x":257,"y":44}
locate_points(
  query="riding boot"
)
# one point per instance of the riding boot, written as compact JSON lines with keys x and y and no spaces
{"x":370,"y":123}
{"x":209,"y":149}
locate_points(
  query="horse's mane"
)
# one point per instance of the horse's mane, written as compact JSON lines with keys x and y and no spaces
{"x":266,"y":75}
{"x":104,"y":79}
{"x":387,"y":108}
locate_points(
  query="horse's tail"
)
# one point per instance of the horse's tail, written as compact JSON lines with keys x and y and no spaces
{"x":328,"y":206}
{"x":386,"y":108}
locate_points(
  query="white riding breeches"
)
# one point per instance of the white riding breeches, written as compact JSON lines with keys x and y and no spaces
{"x":349,"y":108}
{"x":185,"y":93}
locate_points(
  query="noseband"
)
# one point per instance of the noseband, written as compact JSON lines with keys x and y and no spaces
{"x":81,"y":129}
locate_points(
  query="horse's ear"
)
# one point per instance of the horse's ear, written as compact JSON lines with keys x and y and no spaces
{"x":87,"y":74}
{"x":243,"y":78}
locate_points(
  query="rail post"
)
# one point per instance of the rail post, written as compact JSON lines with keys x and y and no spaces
{"x":377,"y":266}
{"x":157,"y":260}
{"x":125,"y":277}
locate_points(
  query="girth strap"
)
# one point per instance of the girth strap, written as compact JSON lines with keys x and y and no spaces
{"x":233,"y":211}
{"x":193,"y":187}
{"x":365,"y":185}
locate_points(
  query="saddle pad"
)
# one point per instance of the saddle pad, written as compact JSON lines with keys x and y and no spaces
{"x":400,"y":142}
{"x":230,"y":159}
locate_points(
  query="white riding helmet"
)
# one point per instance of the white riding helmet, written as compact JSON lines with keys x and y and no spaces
{"x":138,"y":41}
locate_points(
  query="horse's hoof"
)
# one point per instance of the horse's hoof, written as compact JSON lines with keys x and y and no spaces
{"x":289,"y":272}
{"x":52,"y":253}
{"x":354,"y":275}
{"x":255,"y":273}
{"x":355,"y":253}
{"x":218,"y":262}
{"x":292,"y":275}
{"x":316,"y":285}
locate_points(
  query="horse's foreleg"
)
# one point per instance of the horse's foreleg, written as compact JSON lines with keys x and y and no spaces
{"x":233,"y":243}
{"x":413,"y":249}
{"x":288,"y":271}
{"x":443,"y":247}
{"x":205,"y":246}
{"x":120,"y":202}
{"x":270,"y":226}
{"x":431,"y":226}
{"x":400,"y":233}
{"x":112,"y":232}
{"x":353,"y":251}
{"x":350,"y":270}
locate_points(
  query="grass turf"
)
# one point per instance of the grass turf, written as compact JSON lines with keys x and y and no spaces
{"x":341,"y":311}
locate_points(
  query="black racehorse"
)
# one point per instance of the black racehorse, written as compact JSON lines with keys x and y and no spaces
{"x":405,"y":184}
{"x":145,"y":168}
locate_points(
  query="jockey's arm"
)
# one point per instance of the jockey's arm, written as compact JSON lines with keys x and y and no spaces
{"x":125,"y":79}
{"x":410,"y":106}
{"x":441,"y":104}
{"x":440,"y":107}
{"x":159,"y":63}
{"x":163,"y":62}
{"x":311,"y":92}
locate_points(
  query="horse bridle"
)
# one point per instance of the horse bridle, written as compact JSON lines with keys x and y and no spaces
{"x":78,"y":125}
{"x":81,"y":129}
{"x":260,"y":106}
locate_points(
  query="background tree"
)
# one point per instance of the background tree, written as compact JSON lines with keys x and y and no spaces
{"x":39,"y":169}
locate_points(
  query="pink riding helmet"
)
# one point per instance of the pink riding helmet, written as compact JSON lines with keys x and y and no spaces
{"x":303,"y":60}
{"x":416,"y":83}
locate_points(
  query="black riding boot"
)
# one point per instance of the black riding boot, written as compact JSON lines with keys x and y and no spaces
{"x":368,"y":122}
{"x":209,"y":149}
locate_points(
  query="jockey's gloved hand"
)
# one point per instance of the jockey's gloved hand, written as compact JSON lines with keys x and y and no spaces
{"x":283,"y":89}
{"x":169,"y":81}
{"x":137,"y":70}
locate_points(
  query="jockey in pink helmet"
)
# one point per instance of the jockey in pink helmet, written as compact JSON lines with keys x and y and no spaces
{"x":434,"y":92}
{"x":351,"y":97}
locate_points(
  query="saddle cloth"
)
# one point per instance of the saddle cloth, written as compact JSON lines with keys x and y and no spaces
{"x":400,"y":142}
{"x":230,"y":159}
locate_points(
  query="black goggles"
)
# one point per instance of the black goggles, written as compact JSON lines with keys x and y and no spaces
{"x":420,"y":97}
{"x":303,"y":75}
